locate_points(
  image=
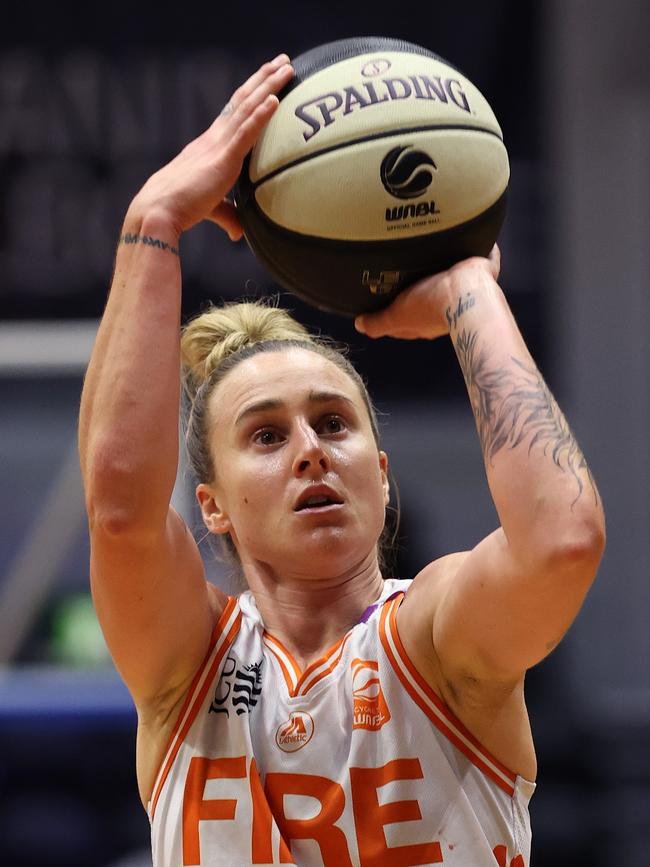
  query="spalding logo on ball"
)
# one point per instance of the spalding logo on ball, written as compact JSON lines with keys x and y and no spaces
{"x":382,"y":164}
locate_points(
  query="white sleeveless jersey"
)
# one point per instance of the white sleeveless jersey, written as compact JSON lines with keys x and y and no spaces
{"x":354,"y":761}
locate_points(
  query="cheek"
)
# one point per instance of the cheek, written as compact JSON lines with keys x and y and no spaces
{"x":365,"y":475}
{"x":255,"y":489}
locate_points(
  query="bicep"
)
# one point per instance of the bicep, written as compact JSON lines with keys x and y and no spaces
{"x":154,"y":605}
{"x":497,"y":616}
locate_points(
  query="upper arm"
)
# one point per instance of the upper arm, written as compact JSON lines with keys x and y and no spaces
{"x":495,"y":616}
{"x":155,"y":607}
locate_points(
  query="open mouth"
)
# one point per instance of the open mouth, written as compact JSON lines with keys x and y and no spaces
{"x":317,"y":502}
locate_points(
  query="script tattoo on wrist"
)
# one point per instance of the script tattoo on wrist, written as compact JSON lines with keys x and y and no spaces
{"x":514,"y":406}
{"x":149,"y":241}
{"x":453,"y":314}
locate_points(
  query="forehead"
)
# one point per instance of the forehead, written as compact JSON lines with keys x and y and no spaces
{"x":289,"y":375}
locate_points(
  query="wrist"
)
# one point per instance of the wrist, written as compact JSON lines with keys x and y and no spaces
{"x":144,"y":232}
{"x":466,"y":299}
{"x":151,"y":221}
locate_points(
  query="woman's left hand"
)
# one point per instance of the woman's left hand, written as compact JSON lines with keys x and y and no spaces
{"x":426,"y":309}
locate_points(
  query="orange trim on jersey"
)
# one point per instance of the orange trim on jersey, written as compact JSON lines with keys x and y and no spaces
{"x":304,"y":686}
{"x":279,"y":653}
{"x":299,"y":684}
{"x":220,"y":642}
{"x":220,"y":624}
{"x":434,"y":707}
{"x":223,"y":619}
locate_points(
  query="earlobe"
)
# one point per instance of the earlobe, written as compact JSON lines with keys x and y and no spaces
{"x":215,"y":517}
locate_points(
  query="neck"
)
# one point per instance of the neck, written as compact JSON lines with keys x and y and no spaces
{"x":308,"y":615}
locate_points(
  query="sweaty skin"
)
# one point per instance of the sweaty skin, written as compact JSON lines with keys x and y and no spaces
{"x":472,"y":622}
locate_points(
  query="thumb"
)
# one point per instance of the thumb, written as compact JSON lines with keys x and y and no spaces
{"x":388,"y":321}
{"x":225,"y":215}
{"x":373,"y":324}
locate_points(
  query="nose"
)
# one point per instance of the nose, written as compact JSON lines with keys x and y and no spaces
{"x":310,"y":456}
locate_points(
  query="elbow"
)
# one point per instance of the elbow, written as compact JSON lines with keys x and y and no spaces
{"x":569,"y":537}
{"x":123,"y":526}
{"x":113,"y":517}
{"x":108,"y":519}
{"x":115,"y":496}
{"x":579,"y":550}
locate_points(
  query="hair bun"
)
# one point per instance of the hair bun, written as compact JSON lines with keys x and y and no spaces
{"x":221,"y":331}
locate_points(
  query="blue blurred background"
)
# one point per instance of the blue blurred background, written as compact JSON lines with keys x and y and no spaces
{"x":92,"y":100}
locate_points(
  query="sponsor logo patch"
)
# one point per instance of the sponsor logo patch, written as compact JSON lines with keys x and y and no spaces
{"x":297,"y":731}
{"x":238,"y":689}
{"x":370,"y":708}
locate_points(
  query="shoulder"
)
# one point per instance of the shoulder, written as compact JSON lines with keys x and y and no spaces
{"x":493,"y":712}
{"x":416,"y":614}
{"x":425,"y":592}
{"x":423,"y":602}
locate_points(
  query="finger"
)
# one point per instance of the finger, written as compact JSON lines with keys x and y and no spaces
{"x":258,"y":77}
{"x":495,"y":261}
{"x":248,"y":131}
{"x":271,"y":85}
{"x":225,"y":215}
{"x":364,"y":325}
{"x":383,"y":322}
{"x":392,"y":319}
{"x":265,"y":73}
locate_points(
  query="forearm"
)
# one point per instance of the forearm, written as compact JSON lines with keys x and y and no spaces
{"x":541,"y":485}
{"x":505,"y":604}
{"x":128,"y":428}
{"x":129,"y":415}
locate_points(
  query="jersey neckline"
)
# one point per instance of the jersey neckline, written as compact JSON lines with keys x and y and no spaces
{"x":298,"y":681}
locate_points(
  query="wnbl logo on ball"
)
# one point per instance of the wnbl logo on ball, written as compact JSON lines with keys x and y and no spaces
{"x":405,"y":173}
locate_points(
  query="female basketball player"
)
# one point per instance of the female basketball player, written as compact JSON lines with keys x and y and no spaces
{"x":326,"y":716}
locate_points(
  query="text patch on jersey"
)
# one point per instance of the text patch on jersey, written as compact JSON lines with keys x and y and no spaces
{"x":370,"y":708}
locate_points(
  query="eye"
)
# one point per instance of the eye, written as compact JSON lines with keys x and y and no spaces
{"x":266,"y":437}
{"x":333,"y":424}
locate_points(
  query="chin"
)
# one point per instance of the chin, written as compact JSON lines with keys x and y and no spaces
{"x":335,"y":555}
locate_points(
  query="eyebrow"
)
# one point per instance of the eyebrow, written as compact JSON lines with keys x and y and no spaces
{"x":275,"y":403}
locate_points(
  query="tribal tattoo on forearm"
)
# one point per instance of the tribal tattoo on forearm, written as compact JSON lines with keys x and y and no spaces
{"x":513,"y":405}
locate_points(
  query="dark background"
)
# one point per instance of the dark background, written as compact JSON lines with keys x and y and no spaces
{"x":92,"y":101}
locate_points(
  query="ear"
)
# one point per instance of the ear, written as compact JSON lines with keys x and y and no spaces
{"x":215,"y":517}
{"x":383,"y":468}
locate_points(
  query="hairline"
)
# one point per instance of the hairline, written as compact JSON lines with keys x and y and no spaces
{"x":296,"y":343}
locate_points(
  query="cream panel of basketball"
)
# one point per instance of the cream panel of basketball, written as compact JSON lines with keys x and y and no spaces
{"x":471,"y":174}
{"x":341,"y":103}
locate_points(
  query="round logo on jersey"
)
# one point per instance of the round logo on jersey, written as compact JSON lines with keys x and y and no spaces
{"x":297,"y":731}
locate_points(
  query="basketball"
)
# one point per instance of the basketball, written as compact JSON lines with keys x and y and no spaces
{"x":383,"y":163}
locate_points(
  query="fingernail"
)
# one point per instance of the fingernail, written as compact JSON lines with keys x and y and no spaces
{"x":281,"y":59}
{"x":359,"y":324}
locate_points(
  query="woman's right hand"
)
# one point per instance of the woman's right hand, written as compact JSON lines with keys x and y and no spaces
{"x":193,"y":186}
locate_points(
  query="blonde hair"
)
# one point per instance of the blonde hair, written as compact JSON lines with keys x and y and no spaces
{"x":222,"y":331}
{"x":214,"y":342}
{"x":219,"y":339}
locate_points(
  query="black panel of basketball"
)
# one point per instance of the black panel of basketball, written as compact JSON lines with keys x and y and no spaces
{"x":387,"y":166}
